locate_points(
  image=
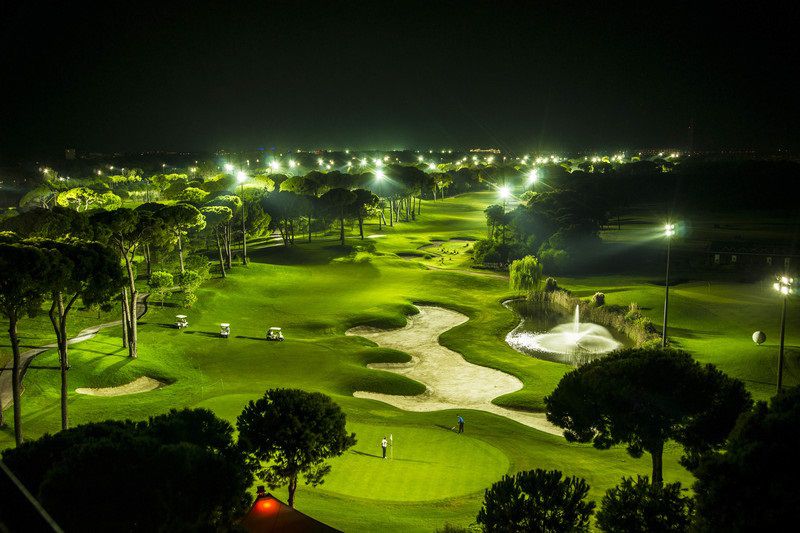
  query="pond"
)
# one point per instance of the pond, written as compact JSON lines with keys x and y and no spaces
{"x":551,"y":333}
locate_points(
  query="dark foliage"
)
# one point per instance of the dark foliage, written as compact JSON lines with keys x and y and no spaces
{"x":536,"y":501}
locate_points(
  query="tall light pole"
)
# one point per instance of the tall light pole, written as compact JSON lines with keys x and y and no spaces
{"x":379,"y":175}
{"x":784,"y":286}
{"x":241,"y":177}
{"x":669,"y":231}
{"x":533,"y":177}
{"x":505,"y":193}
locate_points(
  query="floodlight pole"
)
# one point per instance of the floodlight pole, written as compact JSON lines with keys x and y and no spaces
{"x":780,"y":353}
{"x":666,"y":298}
{"x":244,"y":233}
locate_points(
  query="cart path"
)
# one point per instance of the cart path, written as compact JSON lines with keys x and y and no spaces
{"x":450,"y":381}
{"x":27,"y":356}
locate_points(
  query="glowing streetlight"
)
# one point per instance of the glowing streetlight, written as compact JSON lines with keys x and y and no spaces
{"x":783,"y":285}
{"x":228,"y":167}
{"x":241,"y":177}
{"x":292,"y":163}
{"x":378,"y":163}
{"x":533,"y":176}
{"x":431,"y":166}
{"x":274,"y":165}
{"x":669,"y":231}
{"x":379,"y":175}
{"x":420,"y":158}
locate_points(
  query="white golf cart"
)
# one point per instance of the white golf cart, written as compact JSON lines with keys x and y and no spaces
{"x":181,"y":321}
{"x":224,"y":330}
{"x":274,"y":334}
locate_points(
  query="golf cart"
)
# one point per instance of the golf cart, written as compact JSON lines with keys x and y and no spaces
{"x":274,"y":334}
{"x":224,"y":330}
{"x":181,"y":321}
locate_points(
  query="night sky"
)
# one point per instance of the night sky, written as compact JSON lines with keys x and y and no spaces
{"x":513,"y":75}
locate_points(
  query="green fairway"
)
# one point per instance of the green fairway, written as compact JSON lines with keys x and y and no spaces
{"x":317,"y":291}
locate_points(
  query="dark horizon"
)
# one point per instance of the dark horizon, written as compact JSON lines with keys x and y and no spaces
{"x":510,"y":75}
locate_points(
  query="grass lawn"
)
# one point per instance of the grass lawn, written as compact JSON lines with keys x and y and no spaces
{"x":316,"y":292}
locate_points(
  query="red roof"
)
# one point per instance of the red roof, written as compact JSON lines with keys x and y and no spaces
{"x":269,"y":514}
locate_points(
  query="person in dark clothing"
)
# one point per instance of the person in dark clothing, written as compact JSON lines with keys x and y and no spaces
{"x":460,"y":424}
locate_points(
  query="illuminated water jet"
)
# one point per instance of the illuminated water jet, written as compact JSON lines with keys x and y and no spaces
{"x":574,"y":341}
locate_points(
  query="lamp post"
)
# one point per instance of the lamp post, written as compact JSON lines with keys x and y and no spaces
{"x":241,"y":177}
{"x":784,"y":286}
{"x":533,"y":176}
{"x":379,"y":175}
{"x":669,"y":231}
{"x":505,"y":192}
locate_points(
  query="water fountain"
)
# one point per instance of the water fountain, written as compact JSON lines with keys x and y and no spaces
{"x":570,"y":342}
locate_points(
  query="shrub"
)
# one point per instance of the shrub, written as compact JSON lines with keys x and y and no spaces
{"x":536,"y":500}
{"x":639,"y":506}
{"x":550,"y":285}
{"x":553,"y":260}
{"x":598,"y":299}
{"x":160,"y":285}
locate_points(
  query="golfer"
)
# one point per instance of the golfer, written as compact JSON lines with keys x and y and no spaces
{"x":460,"y":424}
{"x":384,"y":444}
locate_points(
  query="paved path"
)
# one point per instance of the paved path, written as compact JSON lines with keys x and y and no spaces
{"x":27,"y":356}
{"x":450,"y":381}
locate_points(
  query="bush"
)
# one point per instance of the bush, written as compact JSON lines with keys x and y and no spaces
{"x":633,"y":313}
{"x":639,"y":506}
{"x":160,"y":285}
{"x":553,"y":260}
{"x":536,"y":500}
{"x":598,"y":299}
{"x":550,"y":285}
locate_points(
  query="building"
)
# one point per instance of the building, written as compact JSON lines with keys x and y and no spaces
{"x":269,"y":514}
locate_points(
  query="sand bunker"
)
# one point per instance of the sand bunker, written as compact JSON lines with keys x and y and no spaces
{"x":450,"y":381}
{"x":142,"y":384}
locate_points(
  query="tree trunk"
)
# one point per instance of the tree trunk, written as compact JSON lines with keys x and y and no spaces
{"x":361,"y":226}
{"x":419,"y":205}
{"x":657,"y":453}
{"x":341,"y":227}
{"x":60,"y":327}
{"x":15,"y":382}
{"x":292,"y":489}
{"x":123,"y":299}
{"x":148,"y":258}
{"x":132,"y":309}
{"x":180,"y":251}
{"x":310,"y":215}
{"x":391,"y":215}
{"x":221,"y":259}
{"x":228,"y":239}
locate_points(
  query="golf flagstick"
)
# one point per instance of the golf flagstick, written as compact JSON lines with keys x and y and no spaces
{"x":391,"y":443}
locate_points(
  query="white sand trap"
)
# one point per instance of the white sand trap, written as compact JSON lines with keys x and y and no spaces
{"x":450,"y":381}
{"x":142,"y":384}
{"x":376,"y":236}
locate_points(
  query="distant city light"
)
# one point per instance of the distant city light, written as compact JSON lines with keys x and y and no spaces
{"x":292,"y":163}
{"x":274,"y":165}
{"x":241,"y":177}
{"x":228,"y":167}
{"x":431,"y":166}
{"x":379,"y":174}
{"x":533,"y":176}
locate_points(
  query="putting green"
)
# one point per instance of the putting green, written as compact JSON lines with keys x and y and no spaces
{"x":427,"y":464}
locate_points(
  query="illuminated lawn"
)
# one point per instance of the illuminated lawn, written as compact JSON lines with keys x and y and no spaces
{"x":316,"y":292}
